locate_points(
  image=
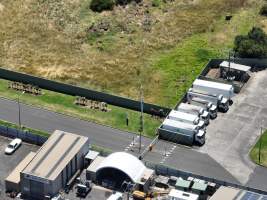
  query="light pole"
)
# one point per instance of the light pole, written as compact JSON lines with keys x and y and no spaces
{"x":260,"y":147}
{"x":141,"y":118}
{"x":19,"y":108}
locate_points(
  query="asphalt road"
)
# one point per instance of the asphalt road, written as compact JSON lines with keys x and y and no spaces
{"x":168,"y":154}
{"x":164,"y":153}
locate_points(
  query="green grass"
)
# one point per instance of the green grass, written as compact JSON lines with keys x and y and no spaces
{"x":15,"y":126}
{"x":254,"y":153}
{"x":181,"y":65}
{"x":65,"y":104}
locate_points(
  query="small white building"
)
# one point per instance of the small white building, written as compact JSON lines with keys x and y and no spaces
{"x":181,"y":195}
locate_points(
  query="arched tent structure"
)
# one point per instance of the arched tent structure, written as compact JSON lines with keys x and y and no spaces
{"x":119,"y":167}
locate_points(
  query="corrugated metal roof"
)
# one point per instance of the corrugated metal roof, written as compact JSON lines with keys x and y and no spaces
{"x":14,"y":176}
{"x":55,"y":154}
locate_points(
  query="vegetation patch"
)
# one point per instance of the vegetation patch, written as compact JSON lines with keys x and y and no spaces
{"x":65,"y":104}
{"x":259,"y":152}
{"x":252,"y":45}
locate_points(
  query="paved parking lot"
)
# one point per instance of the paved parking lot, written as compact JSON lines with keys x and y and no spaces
{"x":9,"y":162}
{"x":231,"y":136}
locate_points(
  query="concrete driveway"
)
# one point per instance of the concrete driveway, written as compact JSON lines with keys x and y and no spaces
{"x":231,"y":136}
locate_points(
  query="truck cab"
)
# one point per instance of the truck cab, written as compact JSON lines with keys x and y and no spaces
{"x":208,"y":106}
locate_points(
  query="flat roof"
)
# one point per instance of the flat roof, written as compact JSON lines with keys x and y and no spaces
{"x":235,"y":66}
{"x":55,"y":154}
{"x":91,"y":155}
{"x":182,"y":183}
{"x":94,"y":165}
{"x":183,"y":195}
{"x":199,"y":186}
{"x":225,"y":193}
{"x":14,"y":176}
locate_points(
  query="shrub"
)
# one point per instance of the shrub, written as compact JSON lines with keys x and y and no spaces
{"x":156,"y":3}
{"x":253,"y":45}
{"x":100,"y":5}
{"x":263,"y":10}
{"x":124,"y":2}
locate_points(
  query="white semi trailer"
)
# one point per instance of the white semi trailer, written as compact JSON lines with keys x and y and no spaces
{"x":207,"y":105}
{"x":212,"y":87}
{"x":186,"y":118}
{"x":220,"y":101}
{"x":180,"y":132}
{"x":195,"y":110}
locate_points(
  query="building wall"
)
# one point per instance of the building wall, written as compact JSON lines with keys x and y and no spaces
{"x":53,"y":187}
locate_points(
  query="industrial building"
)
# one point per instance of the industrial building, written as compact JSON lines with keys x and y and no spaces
{"x":12,"y":182}
{"x":118,"y":167}
{"x":55,"y":163}
{"x":230,"y":193}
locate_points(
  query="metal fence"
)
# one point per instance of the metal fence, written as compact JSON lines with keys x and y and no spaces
{"x":83,"y":92}
{"x":26,"y":136}
{"x":167,"y":171}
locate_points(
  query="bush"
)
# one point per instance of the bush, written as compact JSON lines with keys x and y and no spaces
{"x":100,"y":5}
{"x":124,"y":2}
{"x":156,"y":3}
{"x":253,"y":45}
{"x":264,"y":10}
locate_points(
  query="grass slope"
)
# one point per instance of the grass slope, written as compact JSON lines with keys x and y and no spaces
{"x":254,"y":153}
{"x":115,"y":51}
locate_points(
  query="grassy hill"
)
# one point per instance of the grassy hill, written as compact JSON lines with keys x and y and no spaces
{"x":163,"y":47}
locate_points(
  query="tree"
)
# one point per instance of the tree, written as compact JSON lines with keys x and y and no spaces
{"x":101,"y":5}
{"x":252,"y":45}
{"x":263,"y":10}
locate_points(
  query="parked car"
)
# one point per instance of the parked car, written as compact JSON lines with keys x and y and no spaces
{"x":13,"y":146}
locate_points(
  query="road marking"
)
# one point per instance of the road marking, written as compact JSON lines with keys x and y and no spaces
{"x":132,"y":144}
{"x":167,"y":154}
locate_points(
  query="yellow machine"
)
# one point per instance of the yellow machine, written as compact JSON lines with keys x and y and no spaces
{"x":138,"y":195}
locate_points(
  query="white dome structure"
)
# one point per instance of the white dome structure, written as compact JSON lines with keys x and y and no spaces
{"x":121,"y":166}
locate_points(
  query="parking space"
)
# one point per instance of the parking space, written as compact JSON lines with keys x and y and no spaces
{"x":231,"y":135}
{"x":9,"y":162}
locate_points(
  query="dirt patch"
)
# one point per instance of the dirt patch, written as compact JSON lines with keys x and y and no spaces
{"x":1,"y":7}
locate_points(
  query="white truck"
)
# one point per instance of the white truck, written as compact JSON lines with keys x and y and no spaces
{"x":220,"y":101}
{"x":212,"y":87}
{"x":186,"y":118}
{"x":207,"y":105}
{"x":195,"y":110}
{"x":180,"y":132}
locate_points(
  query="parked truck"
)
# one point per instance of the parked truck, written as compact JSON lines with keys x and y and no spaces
{"x":220,"y":101}
{"x":180,"y":132}
{"x":207,"y":105}
{"x":186,"y":118}
{"x":195,"y":110}
{"x":212,"y":87}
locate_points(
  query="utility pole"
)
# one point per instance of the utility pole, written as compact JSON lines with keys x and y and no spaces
{"x":260,"y":147}
{"x":19,"y":108}
{"x":141,"y":118}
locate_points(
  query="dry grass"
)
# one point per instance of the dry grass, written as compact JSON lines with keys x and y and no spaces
{"x":57,"y":39}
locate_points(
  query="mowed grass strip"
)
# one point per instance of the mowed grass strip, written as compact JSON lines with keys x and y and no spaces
{"x":61,"y":103}
{"x":254,"y":153}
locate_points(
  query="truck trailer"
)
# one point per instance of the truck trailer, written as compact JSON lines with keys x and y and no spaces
{"x":207,"y":105}
{"x":220,"y":101}
{"x":182,"y":133}
{"x":186,"y":118}
{"x":212,"y":87}
{"x":195,"y":110}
